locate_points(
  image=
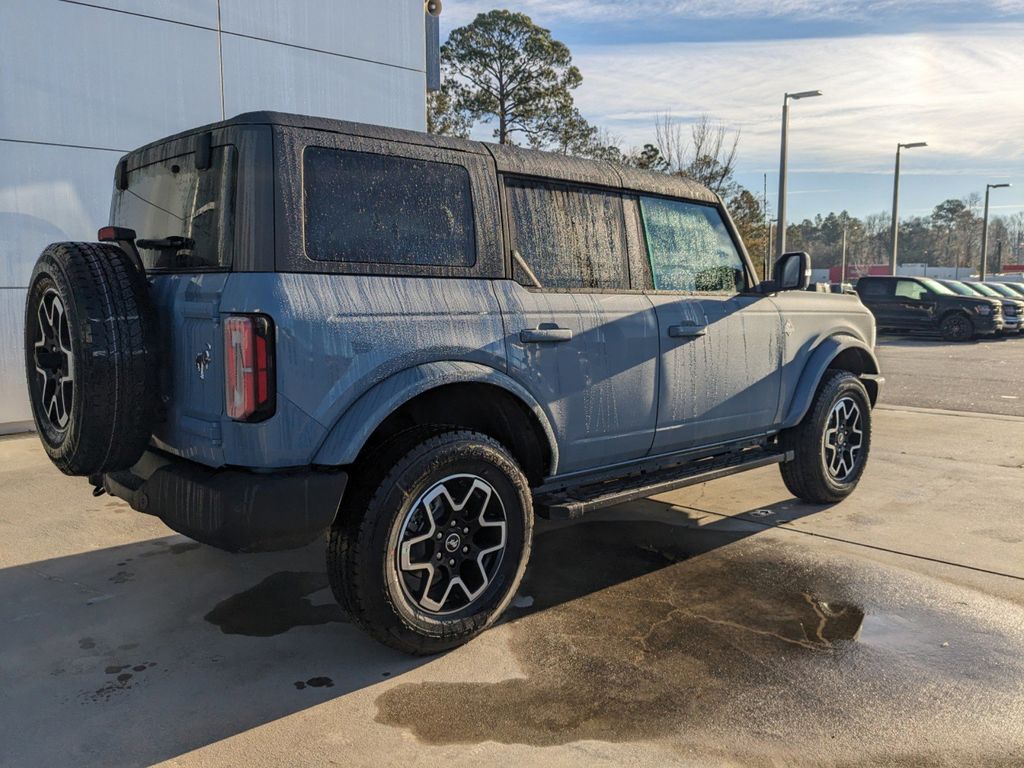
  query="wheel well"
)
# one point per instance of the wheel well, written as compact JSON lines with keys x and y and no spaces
{"x":481,"y":407}
{"x":858,"y":361}
{"x":855,"y":360}
{"x":955,"y":311}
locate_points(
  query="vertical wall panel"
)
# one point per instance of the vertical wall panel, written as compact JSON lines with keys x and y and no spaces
{"x":14,"y":410}
{"x":49,"y":194}
{"x":387,"y":31}
{"x":72,"y":74}
{"x":259,"y":75}
{"x":108,"y":77}
{"x":202,"y":13}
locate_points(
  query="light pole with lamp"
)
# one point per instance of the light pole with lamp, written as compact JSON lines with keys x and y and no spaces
{"x":780,"y":231}
{"x":894,"y":232}
{"x":984,"y":230}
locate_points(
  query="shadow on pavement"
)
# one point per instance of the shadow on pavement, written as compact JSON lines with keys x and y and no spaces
{"x":636,"y":623}
{"x":145,"y":651}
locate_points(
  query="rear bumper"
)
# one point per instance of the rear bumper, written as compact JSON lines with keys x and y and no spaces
{"x":231,"y":509}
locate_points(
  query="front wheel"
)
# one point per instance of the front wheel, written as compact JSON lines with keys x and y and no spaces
{"x":957,"y":327}
{"x":432,"y":542}
{"x":831,"y":444}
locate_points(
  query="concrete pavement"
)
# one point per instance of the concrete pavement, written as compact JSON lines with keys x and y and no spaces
{"x":723,"y":624}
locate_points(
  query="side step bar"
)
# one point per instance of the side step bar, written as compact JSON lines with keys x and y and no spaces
{"x":575,"y":502}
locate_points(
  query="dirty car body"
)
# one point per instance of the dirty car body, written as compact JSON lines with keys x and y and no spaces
{"x":327,"y":294}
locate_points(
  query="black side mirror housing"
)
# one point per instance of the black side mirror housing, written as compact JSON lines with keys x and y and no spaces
{"x":792,"y":272}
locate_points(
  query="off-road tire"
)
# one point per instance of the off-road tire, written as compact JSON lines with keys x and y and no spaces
{"x":807,"y":477}
{"x":362,"y":549}
{"x":112,"y":334}
{"x":956,"y":326}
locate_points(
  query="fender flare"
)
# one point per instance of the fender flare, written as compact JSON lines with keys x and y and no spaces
{"x":353,"y":428}
{"x":820,"y":360}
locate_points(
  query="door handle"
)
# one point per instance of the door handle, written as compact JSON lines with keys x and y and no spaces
{"x":686,"y":331}
{"x":538,"y":335}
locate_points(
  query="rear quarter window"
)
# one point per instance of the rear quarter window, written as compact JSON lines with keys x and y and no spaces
{"x":369,"y":208}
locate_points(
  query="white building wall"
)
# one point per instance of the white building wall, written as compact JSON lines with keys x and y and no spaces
{"x":80,"y":84}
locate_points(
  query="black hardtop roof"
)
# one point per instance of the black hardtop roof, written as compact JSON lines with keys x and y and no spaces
{"x":508,"y":159}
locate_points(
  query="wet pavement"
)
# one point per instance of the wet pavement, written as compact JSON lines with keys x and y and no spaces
{"x":724,"y":624}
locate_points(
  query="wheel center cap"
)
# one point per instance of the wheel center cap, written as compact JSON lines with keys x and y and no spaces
{"x":453,"y":542}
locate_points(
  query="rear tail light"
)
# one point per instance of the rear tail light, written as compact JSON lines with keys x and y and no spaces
{"x":249,"y":389}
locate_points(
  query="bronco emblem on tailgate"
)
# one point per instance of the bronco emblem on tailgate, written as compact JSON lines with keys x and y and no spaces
{"x":203,"y":361}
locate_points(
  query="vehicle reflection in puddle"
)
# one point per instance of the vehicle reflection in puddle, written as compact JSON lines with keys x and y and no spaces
{"x":630,"y":637}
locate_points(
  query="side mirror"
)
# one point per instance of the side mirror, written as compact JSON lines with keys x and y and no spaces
{"x":793,"y":272}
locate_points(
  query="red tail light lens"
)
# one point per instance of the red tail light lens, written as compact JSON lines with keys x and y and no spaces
{"x":249,"y":391}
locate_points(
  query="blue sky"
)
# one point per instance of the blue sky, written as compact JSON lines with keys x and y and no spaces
{"x":949,"y":73}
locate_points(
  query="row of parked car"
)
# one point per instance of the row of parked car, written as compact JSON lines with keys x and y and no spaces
{"x":960,"y":310}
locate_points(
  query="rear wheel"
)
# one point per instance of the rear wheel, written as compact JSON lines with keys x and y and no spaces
{"x":957,"y":327}
{"x":432,"y":541}
{"x":832,"y":442}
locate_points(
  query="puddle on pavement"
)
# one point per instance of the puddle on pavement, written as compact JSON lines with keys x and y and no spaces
{"x":745,"y":644}
{"x":314,"y":682}
{"x":278,"y":603}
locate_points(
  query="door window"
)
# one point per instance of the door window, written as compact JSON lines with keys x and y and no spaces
{"x":567,"y":238}
{"x":382,"y":209}
{"x":690,"y":248}
{"x":910,"y":289}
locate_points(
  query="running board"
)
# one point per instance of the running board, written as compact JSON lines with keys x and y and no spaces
{"x":575,"y":502}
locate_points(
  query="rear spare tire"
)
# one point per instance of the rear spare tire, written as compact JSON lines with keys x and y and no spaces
{"x":90,"y":357}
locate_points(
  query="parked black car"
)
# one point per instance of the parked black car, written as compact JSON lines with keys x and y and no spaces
{"x":1013,"y":308}
{"x":922,"y":304}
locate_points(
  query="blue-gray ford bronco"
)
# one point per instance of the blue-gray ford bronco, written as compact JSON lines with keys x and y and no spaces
{"x":296,"y":328}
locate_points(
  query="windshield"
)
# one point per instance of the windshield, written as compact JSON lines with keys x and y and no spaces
{"x":1017,"y":288}
{"x":935,"y":286}
{"x":1003,"y":290}
{"x":182,"y":216}
{"x":985,"y":290}
{"x":958,"y":287}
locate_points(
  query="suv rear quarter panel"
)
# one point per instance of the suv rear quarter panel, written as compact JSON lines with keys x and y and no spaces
{"x":339,"y":335}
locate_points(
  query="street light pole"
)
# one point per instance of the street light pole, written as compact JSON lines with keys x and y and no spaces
{"x":842,"y":276}
{"x":894,"y":231}
{"x":780,"y":232}
{"x":984,"y":230}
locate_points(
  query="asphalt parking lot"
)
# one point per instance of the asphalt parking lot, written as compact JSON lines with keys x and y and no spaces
{"x":980,"y":376}
{"x":724,"y":624}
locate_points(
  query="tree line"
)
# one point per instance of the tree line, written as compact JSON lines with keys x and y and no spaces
{"x":504,"y":70}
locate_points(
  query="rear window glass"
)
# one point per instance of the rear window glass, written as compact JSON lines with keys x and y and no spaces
{"x":381,"y":209}
{"x":690,"y":248}
{"x":182,"y":217}
{"x":567,"y":237}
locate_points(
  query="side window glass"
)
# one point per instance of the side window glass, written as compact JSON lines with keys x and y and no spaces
{"x":871,"y":288}
{"x":383,"y":209}
{"x":908,"y":289}
{"x":690,"y":248}
{"x":567,"y":237}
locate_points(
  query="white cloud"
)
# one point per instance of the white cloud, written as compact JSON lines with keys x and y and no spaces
{"x":459,"y":12}
{"x":960,"y":90}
